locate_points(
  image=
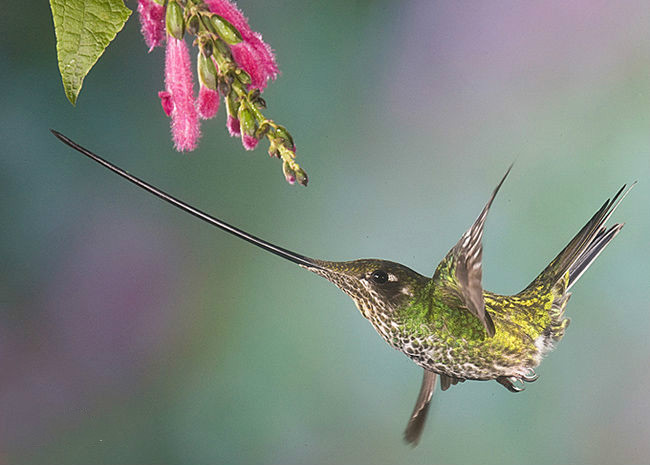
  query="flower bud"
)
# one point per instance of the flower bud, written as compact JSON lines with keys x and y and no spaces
{"x":259,"y":103}
{"x":207,"y":71}
{"x":243,"y":76}
{"x":289,"y":173}
{"x":282,"y":133}
{"x":273,"y":149}
{"x":247,"y":121}
{"x":224,"y":87}
{"x":232,"y":124}
{"x":263,"y":130}
{"x":249,"y":142}
{"x":232,"y":105}
{"x":207,"y":104}
{"x":221,"y":47}
{"x":208,"y":25}
{"x":166,"y":101}
{"x":226,"y":31}
{"x":301,"y":177}
{"x":193,"y":25}
{"x":174,"y":20}
{"x":205,"y":45}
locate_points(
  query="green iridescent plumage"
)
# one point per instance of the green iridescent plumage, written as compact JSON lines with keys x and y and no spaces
{"x":448,"y":324}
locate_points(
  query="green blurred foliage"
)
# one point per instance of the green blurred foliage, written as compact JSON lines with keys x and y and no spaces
{"x":132,"y":333}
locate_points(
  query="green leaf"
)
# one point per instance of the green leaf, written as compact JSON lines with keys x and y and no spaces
{"x":84,"y":28}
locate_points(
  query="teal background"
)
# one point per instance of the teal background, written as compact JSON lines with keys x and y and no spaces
{"x":131,"y":333}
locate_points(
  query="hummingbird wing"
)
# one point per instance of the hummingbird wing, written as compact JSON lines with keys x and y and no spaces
{"x":415,"y":425}
{"x":466,"y":257}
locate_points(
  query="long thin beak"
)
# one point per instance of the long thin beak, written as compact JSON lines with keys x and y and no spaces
{"x":279,"y":251}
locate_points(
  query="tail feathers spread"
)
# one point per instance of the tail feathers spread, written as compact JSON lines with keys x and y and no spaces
{"x":596,"y":246}
{"x":583,"y":248}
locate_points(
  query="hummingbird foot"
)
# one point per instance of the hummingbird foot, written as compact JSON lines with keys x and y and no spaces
{"x":516,"y":383}
{"x":530,"y":376}
{"x":511,"y":383}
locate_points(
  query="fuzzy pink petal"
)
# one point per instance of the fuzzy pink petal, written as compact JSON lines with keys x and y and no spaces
{"x":178,"y":82}
{"x":232,"y":14}
{"x":265,"y":55}
{"x":252,"y":54}
{"x":152,"y":20}
{"x":233,"y":126}
{"x":249,"y":142}
{"x":208,"y":103}
{"x":166,"y":102}
{"x":259,"y":68}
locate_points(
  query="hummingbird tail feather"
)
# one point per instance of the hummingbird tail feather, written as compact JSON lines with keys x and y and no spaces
{"x":596,"y":246}
{"x":583,"y":249}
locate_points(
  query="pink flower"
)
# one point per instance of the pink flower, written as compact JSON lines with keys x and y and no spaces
{"x":179,"y":86}
{"x":252,"y":54}
{"x":178,"y":100}
{"x":208,"y":103}
{"x":260,"y":67}
{"x":233,"y":126}
{"x":152,"y":20}
{"x":249,"y":142}
{"x":166,"y":101}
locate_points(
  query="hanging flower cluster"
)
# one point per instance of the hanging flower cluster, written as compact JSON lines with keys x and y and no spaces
{"x":233,"y":63}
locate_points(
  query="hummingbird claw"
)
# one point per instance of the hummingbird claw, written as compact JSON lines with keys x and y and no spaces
{"x":530,"y":376}
{"x":511,"y":383}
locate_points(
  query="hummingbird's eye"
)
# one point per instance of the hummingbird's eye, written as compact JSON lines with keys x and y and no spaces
{"x":379,"y":276}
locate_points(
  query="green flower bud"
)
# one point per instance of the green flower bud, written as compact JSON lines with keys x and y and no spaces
{"x":259,"y":103}
{"x":205,"y":45}
{"x":208,"y":23}
{"x":301,"y":177}
{"x":207,"y":71}
{"x":232,"y":105}
{"x":224,"y":87}
{"x":193,"y":25}
{"x":221,"y":47}
{"x":273,"y":149}
{"x":243,"y":76}
{"x":174,"y":20}
{"x":226,"y":31}
{"x":247,"y":121}
{"x":262,"y":130}
{"x":289,"y":173}
{"x":283,"y":134}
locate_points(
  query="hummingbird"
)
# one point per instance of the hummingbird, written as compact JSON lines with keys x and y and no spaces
{"x":447,"y":324}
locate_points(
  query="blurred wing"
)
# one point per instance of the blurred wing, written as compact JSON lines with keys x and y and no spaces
{"x":466,"y":257}
{"x":415,"y":425}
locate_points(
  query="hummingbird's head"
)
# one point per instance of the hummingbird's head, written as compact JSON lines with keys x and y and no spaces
{"x":378,"y":287}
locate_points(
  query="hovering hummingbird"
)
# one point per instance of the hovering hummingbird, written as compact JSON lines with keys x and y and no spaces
{"x":448,"y":324}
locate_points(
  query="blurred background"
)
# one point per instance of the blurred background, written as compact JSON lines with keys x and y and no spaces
{"x":132,"y":333}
